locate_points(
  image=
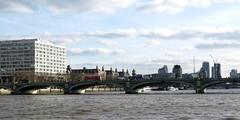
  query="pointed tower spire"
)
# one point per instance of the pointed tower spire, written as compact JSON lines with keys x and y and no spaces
{"x":97,"y":67}
{"x":102,"y":68}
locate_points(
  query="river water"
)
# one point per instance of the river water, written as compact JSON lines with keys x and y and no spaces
{"x":175,"y":105}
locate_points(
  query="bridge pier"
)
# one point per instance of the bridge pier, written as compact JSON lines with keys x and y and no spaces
{"x":130,"y":92}
{"x":14,"y":93}
{"x":66,"y":92}
{"x":128,"y":89}
{"x":199,"y":91}
{"x":198,"y":88}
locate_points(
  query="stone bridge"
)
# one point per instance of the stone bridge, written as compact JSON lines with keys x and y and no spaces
{"x":130,"y":86}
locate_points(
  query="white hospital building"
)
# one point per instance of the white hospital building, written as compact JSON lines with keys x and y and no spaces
{"x":38,"y":57}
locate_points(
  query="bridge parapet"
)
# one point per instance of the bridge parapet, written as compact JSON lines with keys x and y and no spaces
{"x":129,"y":86}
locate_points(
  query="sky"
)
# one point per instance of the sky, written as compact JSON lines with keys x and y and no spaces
{"x":127,"y":34}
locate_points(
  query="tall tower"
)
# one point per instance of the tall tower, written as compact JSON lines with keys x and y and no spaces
{"x":205,"y":67}
{"x":177,"y":71}
{"x":216,"y":71}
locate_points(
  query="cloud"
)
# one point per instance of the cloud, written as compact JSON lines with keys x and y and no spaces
{"x":186,"y":48}
{"x":105,"y":6}
{"x":80,"y":6}
{"x":94,"y":51}
{"x":62,"y":39}
{"x":118,"y":33}
{"x":218,"y":46}
{"x":155,"y":35}
{"x":108,"y":43}
{"x":18,"y":6}
{"x":192,"y":33}
{"x":152,"y":42}
{"x":184,"y":33}
{"x":59,"y":39}
{"x":65,"y":6}
{"x":175,"y":6}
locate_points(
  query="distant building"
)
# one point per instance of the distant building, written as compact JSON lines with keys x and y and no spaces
{"x":177,"y":71}
{"x":112,"y":75}
{"x":195,"y":75}
{"x":202,"y":73}
{"x":187,"y":76}
{"x":205,"y":70}
{"x":147,"y":76}
{"x":162,"y":74}
{"x":122,"y":75}
{"x":216,"y":71}
{"x":234,"y":74}
{"x":88,"y":74}
{"x":31,"y":60}
{"x":139,"y":76}
{"x":163,"y":70}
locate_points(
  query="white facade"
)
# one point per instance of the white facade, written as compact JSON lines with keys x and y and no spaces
{"x":49,"y":58}
{"x":31,"y":55}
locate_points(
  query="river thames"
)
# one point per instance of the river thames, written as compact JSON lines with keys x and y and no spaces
{"x":174,"y":105}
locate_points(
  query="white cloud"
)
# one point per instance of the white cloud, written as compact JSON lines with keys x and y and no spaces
{"x":65,"y":6}
{"x":175,"y":6}
{"x":153,"y":42}
{"x":63,"y":39}
{"x":205,"y":34}
{"x":113,"y":34}
{"x":59,"y":39}
{"x":186,"y":48}
{"x":108,"y":43}
{"x":192,"y":33}
{"x":105,"y":6}
{"x":184,"y":33}
{"x":219,"y":45}
{"x":94,"y":51}
{"x":21,"y":6}
{"x":155,"y":35}
{"x":79,"y":6}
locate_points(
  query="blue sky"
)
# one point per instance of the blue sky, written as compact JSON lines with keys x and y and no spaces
{"x":140,"y":34}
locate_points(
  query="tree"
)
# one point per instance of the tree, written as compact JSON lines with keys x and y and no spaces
{"x":68,"y":70}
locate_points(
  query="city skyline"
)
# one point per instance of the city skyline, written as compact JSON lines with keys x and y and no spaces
{"x":139,"y":34}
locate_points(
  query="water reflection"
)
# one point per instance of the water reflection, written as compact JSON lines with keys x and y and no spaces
{"x":162,"y":105}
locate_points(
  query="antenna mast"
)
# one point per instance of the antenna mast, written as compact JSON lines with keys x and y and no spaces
{"x":193,"y":64}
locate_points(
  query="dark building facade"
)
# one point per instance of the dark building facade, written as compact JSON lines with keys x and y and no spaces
{"x":205,"y":69}
{"x":216,"y":71}
{"x":177,"y":71}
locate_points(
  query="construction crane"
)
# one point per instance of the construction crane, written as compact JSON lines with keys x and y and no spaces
{"x":214,"y":61}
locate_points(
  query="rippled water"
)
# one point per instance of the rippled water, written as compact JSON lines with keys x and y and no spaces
{"x":180,"y":105}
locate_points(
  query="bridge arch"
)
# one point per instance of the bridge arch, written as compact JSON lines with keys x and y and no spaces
{"x":28,"y":88}
{"x":213,"y":83}
{"x":82,"y":86}
{"x":149,"y":83}
{"x":6,"y":88}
